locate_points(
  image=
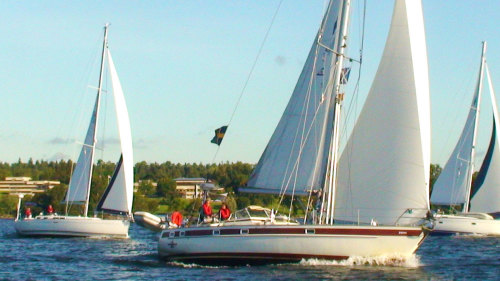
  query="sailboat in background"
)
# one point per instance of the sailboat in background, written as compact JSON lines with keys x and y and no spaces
{"x":454,"y":185}
{"x":382,"y":177}
{"x":118,"y":196}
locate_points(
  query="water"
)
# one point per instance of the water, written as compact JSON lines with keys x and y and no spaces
{"x":439,"y":258}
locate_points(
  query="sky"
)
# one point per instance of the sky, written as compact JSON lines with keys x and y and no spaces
{"x":184,"y":64}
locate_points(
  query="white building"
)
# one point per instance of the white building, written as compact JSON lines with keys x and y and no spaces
{"x":189,"y":188}
{"x":24,"y":185}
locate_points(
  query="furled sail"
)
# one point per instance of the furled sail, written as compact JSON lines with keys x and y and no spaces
{"x":295,"y":159}
{"x":384,"y":168}
{"x":80,"y":179}
{"x":485,"y":195}
{"x":119,"y":193}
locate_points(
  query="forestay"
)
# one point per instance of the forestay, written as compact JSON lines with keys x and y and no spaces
{"x":295,"y":159}
{"x":119,"y":193}
{"x":384,"y":168}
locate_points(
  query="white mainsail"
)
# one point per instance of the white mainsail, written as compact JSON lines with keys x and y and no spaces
{"x":485,"y":196}
{"x":295,"y":159}
{"x":384,"y":168}
{"x":452,"y":185}
{"x":80,"y":180}
{"x":119,"y":193}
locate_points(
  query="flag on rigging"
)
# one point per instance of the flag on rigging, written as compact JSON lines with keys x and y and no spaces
{"x":219,"y":135}
{"x":344,"y":75}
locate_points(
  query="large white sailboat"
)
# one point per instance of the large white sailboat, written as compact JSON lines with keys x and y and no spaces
{"x":373,"y":199}
{"x":118,"y":196}
{"x":454,"y":186}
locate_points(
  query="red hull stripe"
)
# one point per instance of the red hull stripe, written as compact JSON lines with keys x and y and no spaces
{"x":201,"y":232}
{"x":229,"y":231}
{"x":247,"y":256}
{"x":298,"y":231}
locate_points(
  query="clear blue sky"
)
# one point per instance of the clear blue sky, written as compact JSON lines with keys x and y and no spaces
{"x":183,"y":64}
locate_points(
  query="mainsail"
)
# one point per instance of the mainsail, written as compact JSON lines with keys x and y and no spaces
{"x":486,"y":190}
{"x":80,"y":180}
{"x":119,"y":193}
{"x":453,"y":183}
{"x":295,"y":159}
{"x":384,"y":168}
{"x":453,"y":187}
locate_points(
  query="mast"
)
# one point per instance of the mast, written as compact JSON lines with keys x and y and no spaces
{"x":338,"y":60}
{"x":473,"y":150}
{"x":99,"y":90}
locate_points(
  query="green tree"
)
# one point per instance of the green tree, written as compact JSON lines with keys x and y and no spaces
{"x":8,"y":205}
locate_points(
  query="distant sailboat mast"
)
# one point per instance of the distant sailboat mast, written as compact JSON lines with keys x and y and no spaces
{"x":99,"y":91}
{"x":479,"y":90}
{"x":335,"y":76}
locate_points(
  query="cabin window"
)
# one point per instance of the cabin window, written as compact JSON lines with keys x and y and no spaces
{"x":183,"y":233}
{"x":310,"y":231}
{"x":244,"y":231}
{"x":171,"y":234}
{"x":473,"y":223}
{"x":216,"y":232}
{"x":165,"y":234}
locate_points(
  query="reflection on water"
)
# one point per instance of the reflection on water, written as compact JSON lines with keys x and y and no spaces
{"x":439,"y":258}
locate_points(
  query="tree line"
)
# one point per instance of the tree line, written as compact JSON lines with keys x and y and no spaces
{"x":155,"y":199}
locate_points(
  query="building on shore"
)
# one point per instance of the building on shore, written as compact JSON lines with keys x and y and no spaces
{"x":24,"y":185}
{"x":190,"y":188}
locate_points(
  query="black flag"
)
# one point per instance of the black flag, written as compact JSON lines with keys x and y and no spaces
{"x":219,"y":135}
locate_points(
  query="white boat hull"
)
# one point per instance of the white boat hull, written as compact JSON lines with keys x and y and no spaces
{"x":70,"y":226}
{"x":271,"y":244}
{"x":451,"y":225}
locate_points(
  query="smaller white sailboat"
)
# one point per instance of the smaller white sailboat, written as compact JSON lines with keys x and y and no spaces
{"x":454,"y":186}
{"x":118,"y":196}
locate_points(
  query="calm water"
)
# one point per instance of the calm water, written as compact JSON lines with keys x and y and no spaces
{"x":439,"y":258}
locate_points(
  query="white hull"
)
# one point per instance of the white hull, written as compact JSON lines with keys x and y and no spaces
{"x":450,"y":225}
{"x":72,"y":227}
{"x":268,"y":244}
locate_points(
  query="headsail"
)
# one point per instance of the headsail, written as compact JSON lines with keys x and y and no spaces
{"x":384,"y":168}
{"x":295,"y":158}
{"x":80,"y":179}
{"x":119,"y":193}
{"x":486,"y":192}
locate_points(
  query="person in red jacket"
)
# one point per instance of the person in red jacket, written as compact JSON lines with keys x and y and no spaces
{"x":224,"y":212}
{"x":27,"y":213}
{"x":50,"y":210}
{"x":206,"y":211}
{"x":176,"y":219}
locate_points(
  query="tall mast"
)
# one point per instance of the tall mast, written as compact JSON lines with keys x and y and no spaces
{"x":98,"y":99}
{"x":338,"y":61}
{"x":476,"y":123}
